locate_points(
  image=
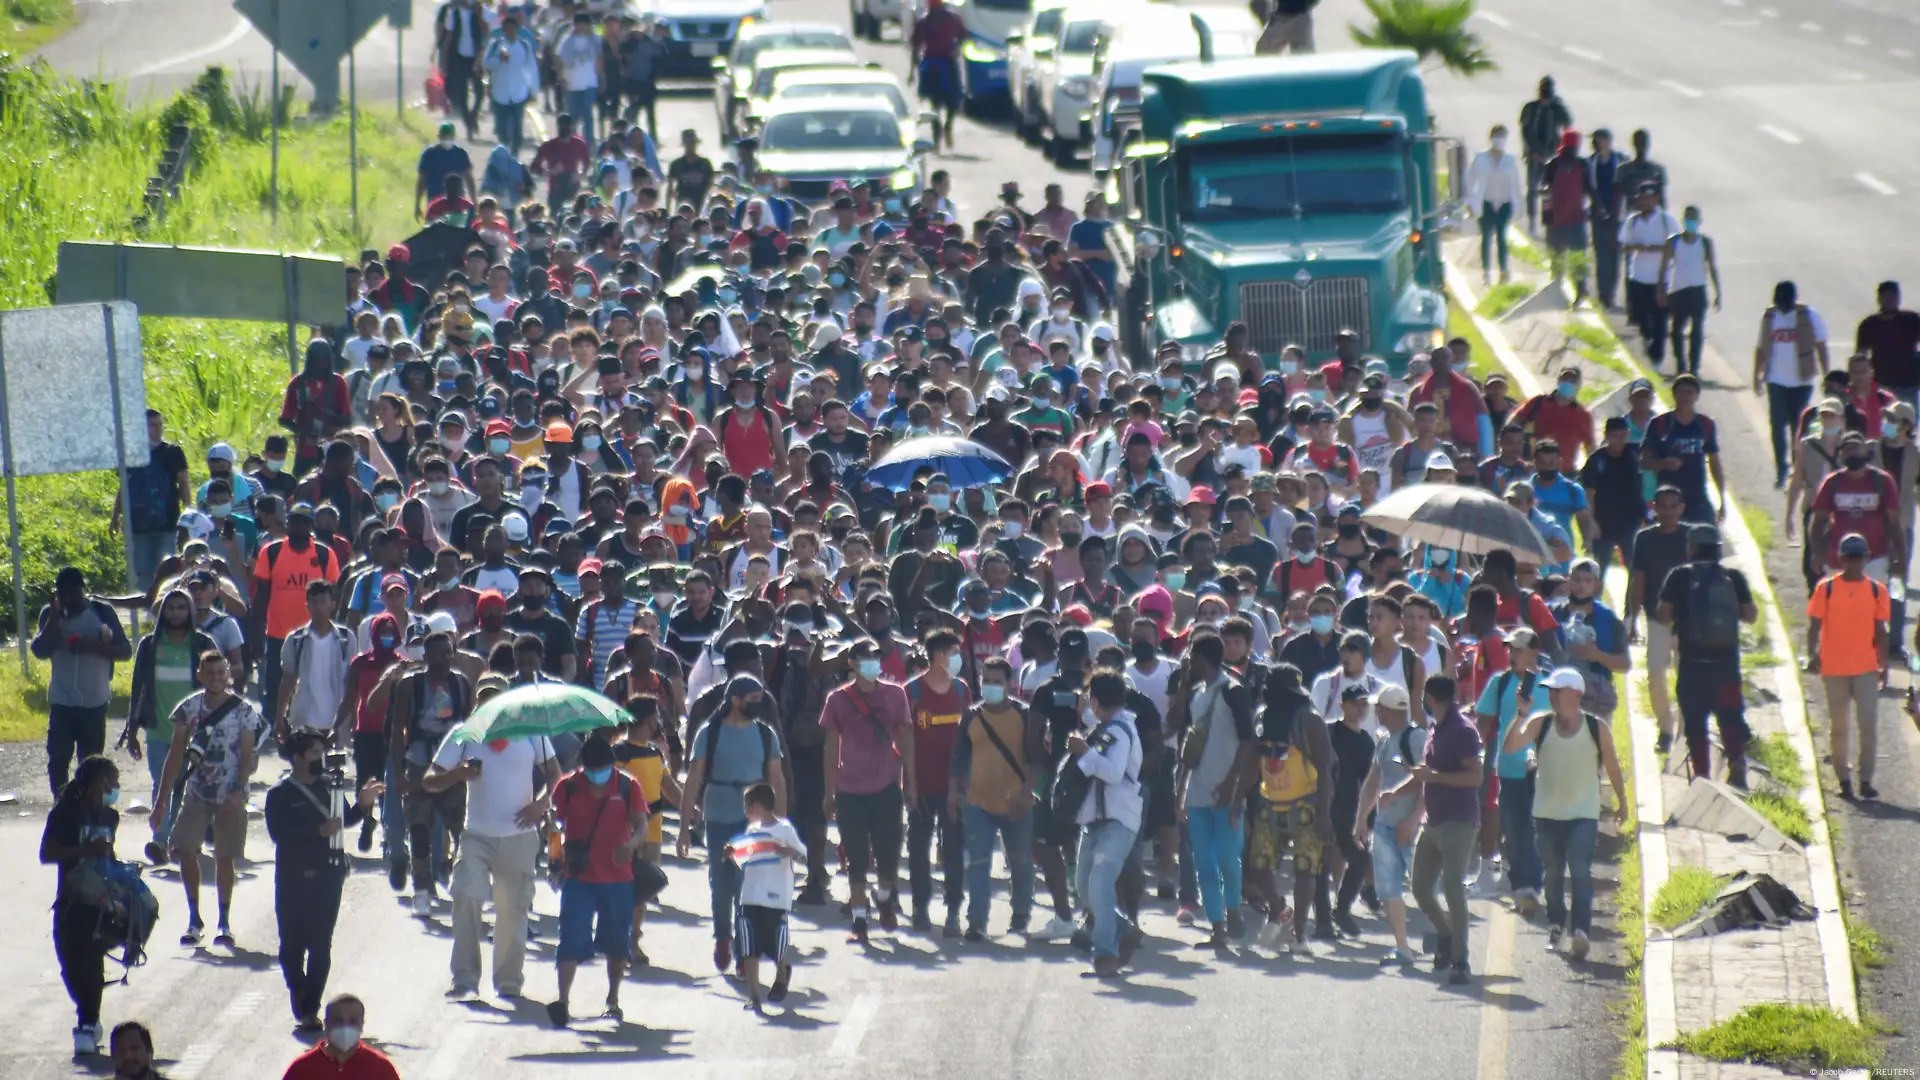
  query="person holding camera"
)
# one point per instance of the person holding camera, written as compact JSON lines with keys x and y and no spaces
{"x":603,"y":819}
{"x":306,"y":817}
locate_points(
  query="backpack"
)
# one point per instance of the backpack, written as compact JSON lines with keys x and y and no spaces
{"x":1711,"y":622}
{"x":1289,"y":776}
{"x":710,"y":745}
{"x":273,"y":554}
{"x":766,"y":417}
{"x":1565,"y":190}
{"x":1593,"y":729}
{"x":1071,"y":785}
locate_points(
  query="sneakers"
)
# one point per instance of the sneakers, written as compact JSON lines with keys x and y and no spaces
{"x":952,"y":927}
{"x":1459,"y":975}
{"x":1399,"y":956}
{"x":1475,"y":868}
{"x":922,"y":923}
{"x":192,"y":937}
{"x":1868,"y":791}
{"x":814,"y":894}
{"x":1186,"y":916}
{"x":858,"y":935}
{"x":1218,"y":938}
{"x":1577,"y":948}
{"x":1664,"y":743}
{"x":1527,"y":902}
{"x":156,"y":853}
{"x":1058,"y":929}
{"x":1344,"y":921}
{"x":778,"y":991}
{"x":1486,"y":886}
{"x":1553,"y":938}
{"x":1442,"y":953}
{"x":423,"y":903}
{"x":1270,"y":935}
{"x":557,"y":1014}
{"x":86,"y":1041}
{"x":366,"y":837}
{"x":975,"y":935}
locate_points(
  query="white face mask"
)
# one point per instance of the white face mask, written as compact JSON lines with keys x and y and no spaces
{"x":1060,"y":312}
{"x":1012,"y":529}
{"x":1498,"y":142}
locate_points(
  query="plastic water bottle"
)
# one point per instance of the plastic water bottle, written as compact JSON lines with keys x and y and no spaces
{"x":1897,"y":591}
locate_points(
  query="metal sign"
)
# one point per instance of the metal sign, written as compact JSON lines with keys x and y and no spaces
{"x":73,"y":398}
{"x":205,"y":283}
{"x":315,"y":36}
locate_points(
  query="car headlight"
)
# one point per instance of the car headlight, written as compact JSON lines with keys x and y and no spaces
{"x":1077,"y":86}
{"x":1415,"y":341}
{"x":978,"y":52}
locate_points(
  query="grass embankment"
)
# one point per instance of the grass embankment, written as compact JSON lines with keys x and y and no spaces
{"x":25,"y":25}
{"x":74,"y":160}
{"x":1798,"y":1038}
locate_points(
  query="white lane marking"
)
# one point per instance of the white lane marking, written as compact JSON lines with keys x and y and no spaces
{"x":1810,"y":27}
{"x":1854,"y":39}
{"x":1875,"y":184}
{"x":846,"y":1043}
{"x":1900,"y":54}
{"x":1739,"y":22}
{"x":1782,"y":134}
{"x":1495,"y":18}
{"x":1851,"y":76}
{"x":1682,"y":89}
{"x":200,"y":1054}
{"x":1733,"y":3}
{"x":1769,"y":13}
{"x":240,"y":30}
{"x":1582,"y":53}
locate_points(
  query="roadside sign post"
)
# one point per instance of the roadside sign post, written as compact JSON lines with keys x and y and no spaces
{"x":353,"y":117}
{"x":273,"y":169}
{"x":13,"y":514}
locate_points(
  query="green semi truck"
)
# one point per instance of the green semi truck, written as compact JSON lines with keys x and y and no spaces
{"x":1298,"y":194}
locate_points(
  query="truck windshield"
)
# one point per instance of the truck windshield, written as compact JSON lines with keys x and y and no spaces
{"x":1324,"y":174}
{"x":1003,"y":5}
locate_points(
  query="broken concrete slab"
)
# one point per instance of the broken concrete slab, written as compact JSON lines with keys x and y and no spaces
{"x":1712,"y":806}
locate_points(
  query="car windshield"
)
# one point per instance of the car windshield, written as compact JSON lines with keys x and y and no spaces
{"x":842,"y":129}
{"x":1047,"y":23}
{"x":801,"y":39}
{"x":889,"y":94}
{"x":1080,"y":38}
{"x":763,"y":81}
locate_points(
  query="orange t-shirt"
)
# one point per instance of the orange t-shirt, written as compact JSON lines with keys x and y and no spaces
{"x":288,"y":572}
{"x":1848,"y":612}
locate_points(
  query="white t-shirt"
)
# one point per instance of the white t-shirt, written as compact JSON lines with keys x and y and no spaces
{"x":1327,"y":691}
{"x":766,"y":870}
{"x":1783,"y":363}
{"x":1643,"y":267}
{"x":505,"y":783}
{"x":355,"y":350}
{"x":494,"y":310}
{"x":578,"y":54}
{"x":1373,"y":446}
{"x":320,"y":662}
{"x":1247,"y":457}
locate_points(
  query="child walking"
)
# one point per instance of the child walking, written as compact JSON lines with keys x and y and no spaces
{"x":766,"y":853}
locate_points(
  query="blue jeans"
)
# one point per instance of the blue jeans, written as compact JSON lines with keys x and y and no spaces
{"x":579,"y":105}
{"x":1217,"y":843}
{"x":509,"y":124}
{"x":1016,"y":835}
{"x":1104,"y":847}
{"x":150,"y":549}
{"x":1784,"y":406}
{"x":155,"y":763}
{"x":1516,"y":827}
{"x":723,"y":877}
{"x":1493,"y":234}
{"x":1567,"y":849}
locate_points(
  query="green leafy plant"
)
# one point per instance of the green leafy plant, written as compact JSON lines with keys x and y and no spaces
{"x":1436,"y":30}
{"x":1686,"y":891}
{"x":1793,"y":1037}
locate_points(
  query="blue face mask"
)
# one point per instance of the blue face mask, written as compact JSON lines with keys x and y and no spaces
{"x":1176,"y":579}
{"x":869,"y":669}
{"x":1169,"y":384}
{"x":582,"y":291}
{"x":1568,"y":389}
{"x":893,"y":206}
{"x":1320,"y":624}
{"x":112,"y":796}
{"x":953,"y":663}
{"x":386,"y":500}
{"x":728,"y":295}
{"x":1691,"y":225}
{"x":836,"y":279}
{"x":941,"y":501}
{"x":1316,"y":396}
{"x":600,"y":775}
{"x":499,"y":446}
{"x":993,"y":693}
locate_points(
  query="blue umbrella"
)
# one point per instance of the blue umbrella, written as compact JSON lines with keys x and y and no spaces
{"x":966,"y":463}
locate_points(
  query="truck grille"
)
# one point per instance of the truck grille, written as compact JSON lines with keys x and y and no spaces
{"x":1282,"y":313}
{"x":703,"y":31}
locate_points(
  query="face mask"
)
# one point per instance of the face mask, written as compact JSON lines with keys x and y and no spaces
{"x":1060,"y":312}
{"x":343,"y":1038}
{"x":1289,"y":367}
{"x":1246,"y":603}
{"x":1308,"y":556}
{"x":581,"y":292}
{"x":1567,"y":389}
{"x":1316,"y":396}
{"x":728,"y":295}
{"x":219,"y":510}
{"x":1176,"y":579}
{"x":1320,"y":624}
{"x":696,"y":375}
{"x":1691,"y":225}
{"x":1370,"y":404}
{"x":941,"y":501}
{"x":453,"y":443}
{"x":499,"y":446}
{"x":533,"y":603}
{"x":112,"y":796}
{"x":1498,"y":142}
{"x":894,"y":206}
{"x":276,"y":464}
{"x":836,"y":279}
{"x":869,"y":669}
{"x":664,"y":599}
{"x":1169,"y":384}
{"x":1854,"y":464}
{"x":600,"y":775}
{"x":1439,"y":557}
{"x":1012,"y":529}
{"x":993,"y":693}
{"x":953,"y":664}
{"x":447,"y":586}
{"x":590,"y":442}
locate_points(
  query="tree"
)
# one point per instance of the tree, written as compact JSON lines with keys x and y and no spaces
{"x":1433,"y":29}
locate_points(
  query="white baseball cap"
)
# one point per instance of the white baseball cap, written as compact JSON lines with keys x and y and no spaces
{"x":1391,"y":696}
{"x":1566,"y":678}
{"x":199,"y":526}
{"x":516,"y":528}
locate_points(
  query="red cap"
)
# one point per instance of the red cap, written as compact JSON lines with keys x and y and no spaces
{"x":1570,"y":139}
{"x":399,"y":253}
{"x":1099,"y":489}
{"x":1078,"y":613}
{"x":491,"y":600}
{"x":393,"y":581}
{"x":499,"y":427}
{"x":559,"y":431}
{"x":588,"y":566}
{"x":1201,"y":493}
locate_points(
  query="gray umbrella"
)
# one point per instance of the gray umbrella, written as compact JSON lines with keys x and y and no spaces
{"x":1469,"y":520}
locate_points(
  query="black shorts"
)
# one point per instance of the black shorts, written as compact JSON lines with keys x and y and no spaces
{"x":870,"y":822}
{"x":760,"y":931}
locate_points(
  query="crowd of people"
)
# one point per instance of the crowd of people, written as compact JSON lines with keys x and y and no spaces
{"x":1164,"y":658}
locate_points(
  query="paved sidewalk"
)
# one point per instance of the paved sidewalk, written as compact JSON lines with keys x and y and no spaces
{"x":1690,"y":983}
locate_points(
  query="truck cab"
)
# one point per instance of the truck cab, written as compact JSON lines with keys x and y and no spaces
{"x":1297,"y":194}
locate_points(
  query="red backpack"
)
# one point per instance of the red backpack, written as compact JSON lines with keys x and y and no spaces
{"x":1566,"y":189}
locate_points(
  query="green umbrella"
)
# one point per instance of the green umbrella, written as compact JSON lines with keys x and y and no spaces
{"x":539,"y":709}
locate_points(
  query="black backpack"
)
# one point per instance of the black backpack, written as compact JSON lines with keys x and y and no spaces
{"x":1711,"y":622}
{"x":1071,"y":785}
{"x":710,"y":745}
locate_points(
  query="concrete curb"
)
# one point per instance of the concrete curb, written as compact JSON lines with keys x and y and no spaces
{"x":1656,"y":971}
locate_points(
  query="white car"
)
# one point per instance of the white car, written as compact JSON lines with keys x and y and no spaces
{"x":808,"y":144}
{"x":750,"y":94}
{"x":869,"y":16}
{"x":733,"y":72}
{"x":1028,"y":50}
{"x":814,"y":83}
{"x":1066,"y":86}
{"x":1155,"y":34}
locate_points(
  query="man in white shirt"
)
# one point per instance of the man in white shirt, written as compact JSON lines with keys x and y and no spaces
{"x":497,"y":850}
{"x":1643,"y":237}
{"x":1494,"y":188}
{"x":313,"y":668}
{"x":579,"y":61}
{"x":513,"y":76}
{"x":1110,"y":755}
{"x":1788,"y":359}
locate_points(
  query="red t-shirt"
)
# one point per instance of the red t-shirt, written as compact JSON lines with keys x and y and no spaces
{"x":939,"y":33}
{"x":306,"y":399}
{"x":1479,"y":662}
{"x":936,"y":727}
{"x":1459,"y":401}
{"x":441,"y":206}
{"x":563,"y":154}
{"x":365,"y":1063}
{"x":746,"y":439}
{"x":1327,"y":460}
{"x":1855,"y":505}
{"x":1567,"y":423}
{"x":1300,"y":578}
{"x":1538,"y":617}
{"x":607,"y":818}
{"x":363,"y":674}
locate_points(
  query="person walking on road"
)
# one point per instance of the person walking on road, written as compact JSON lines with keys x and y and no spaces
{"x":999,"y":756}
{"x":342,"y":1054}
{"x":1604,"y":214}
{"x":1858,"y":498}
{"x":582,"y":69}
{"x":1642,"y":170}
{"x":869,"y":725}
{"x":1391,"y":795}
{"x":1542,"y":121}
{"x":1449,"y":776}
{"x":603,"y":817}
{"x":1686,"y":265}
{"x":82,"y":639}
{"x":1568,"y":187}
{"x":81,"y":828}
{"x":1644,"y":236}
{"x":156,"y":493}
{"x":1847,"y":642}
{"x":732,"y":750}
{"x":1682,"y":447}
{"x":766,"y":853}
{"x":1570,"y":746}
{"x":1704,"y":604}
{"x":933,"y":47}
{"x":1110,"y":754}
{"x":1891,"y":338}
{"x":513,"y":79}
{"x":458,"y":31}
{"x":1789,"y":358}
{"x":1657,"y":549}
{"x":1494,"y":188}
{"x":215,"y":732}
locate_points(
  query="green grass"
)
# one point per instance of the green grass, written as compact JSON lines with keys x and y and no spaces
{"x":25,"y":25}
{"x":1630,"y":1012}
{"x":1481,"y":361}
{"x":23,"y":701}
{"x":1784,"y":813}
{"x":1864,"y":943}
{"x":74,"y":160}
{"x":1777,"y":756}
{"x":1793,"y":1037}
{"x":1686,"y":891}
{"x":1503,"y":298}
